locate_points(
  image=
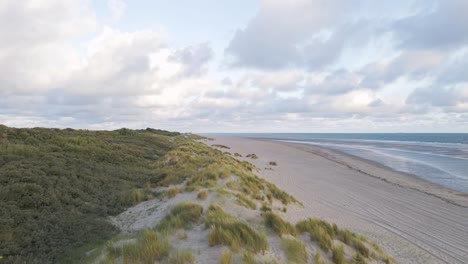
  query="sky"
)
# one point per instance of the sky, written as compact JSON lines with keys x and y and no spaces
{"x":235,"y":66}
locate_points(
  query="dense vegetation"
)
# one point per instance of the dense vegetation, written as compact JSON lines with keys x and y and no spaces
{"x":57,"y":187}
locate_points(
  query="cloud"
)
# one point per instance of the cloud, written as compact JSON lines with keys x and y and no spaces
{"x":337,"y":82}
{"x":443,"y":27}
{"x":117,"y":8}
{"x":275,"y":80}
{"x":37,"y":52}
{"x":193,"y":58}
{"x":284,"y":31}
{"x":415,"y":64}
{"x":118,"y":63}
{"x":450,"y":99}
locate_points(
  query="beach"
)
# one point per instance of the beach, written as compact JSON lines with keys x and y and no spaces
{"x":415,"y":221}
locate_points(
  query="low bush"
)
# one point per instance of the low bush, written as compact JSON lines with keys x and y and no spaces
{"x":203,"y":195}
{"x":181,"y":216}
{"x":172,"y":192}
{"x":252,"y":156}
{"x":277,"y":224}
{"x":295,"y":250}
{"x":220,"y":146}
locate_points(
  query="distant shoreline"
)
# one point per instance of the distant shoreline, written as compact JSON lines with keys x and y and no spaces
{"x":438,"y":183}
{"x":352,"y":162}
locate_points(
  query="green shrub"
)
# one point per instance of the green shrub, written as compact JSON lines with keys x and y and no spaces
{"x":59,"y":187}
{"x":278,"y":225}
{"x":295,"y":250}
{"x":220,"y":146}
{"x":228,"y":230}
{"x":181,"y":234}
{"x":182,"y":215}
{"x":252,"y":156}
{"x":203,"y":195}
{"x":172,"y":192}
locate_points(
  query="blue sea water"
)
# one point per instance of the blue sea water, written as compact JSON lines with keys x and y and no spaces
{"x":440,"y":158}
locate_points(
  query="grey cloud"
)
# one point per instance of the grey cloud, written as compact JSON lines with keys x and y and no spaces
{"x":445,"y":27}
{"x":454,"y":72}
{"x":283,"y":32}
{"x":444,"y":97}
{"x":194,"y":58}
{"x":415,"y":64}
{"x":376,"y":103}
{"x":338,"y":82}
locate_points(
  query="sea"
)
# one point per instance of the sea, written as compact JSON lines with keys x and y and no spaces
{"x":440,"y":158}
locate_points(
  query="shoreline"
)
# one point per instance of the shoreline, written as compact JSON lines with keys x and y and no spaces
{"x":414,"y":220}
{"x":412,"y":181}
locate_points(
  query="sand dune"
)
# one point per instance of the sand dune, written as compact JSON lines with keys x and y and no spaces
{"x":416,"y":222}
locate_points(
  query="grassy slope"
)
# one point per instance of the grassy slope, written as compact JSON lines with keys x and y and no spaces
{"x":58,"y":186}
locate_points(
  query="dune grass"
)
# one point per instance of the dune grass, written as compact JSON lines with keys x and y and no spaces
{"x":182,"y":257}
{"x":248,"y":258}
{"x":318,"y":258}
{"x":245,"y":201}
{"x":295,"y":250}
{"x":319,"y":231}
{"x":277,"y":224}
{"x":182,"y":215}
{"x":338,"y":256}
{"x":149,"y":248}
{"x":225,"y":257}
{"x":273,"y":163}
{"x":230,"y":231}
{"x":359,"y":259}
{"x":323,"y":232}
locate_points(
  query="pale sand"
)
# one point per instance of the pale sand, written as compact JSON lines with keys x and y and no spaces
{"x":416,"y":222}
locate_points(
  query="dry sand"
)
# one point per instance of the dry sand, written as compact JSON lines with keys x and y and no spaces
{"x":415,"y":221}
